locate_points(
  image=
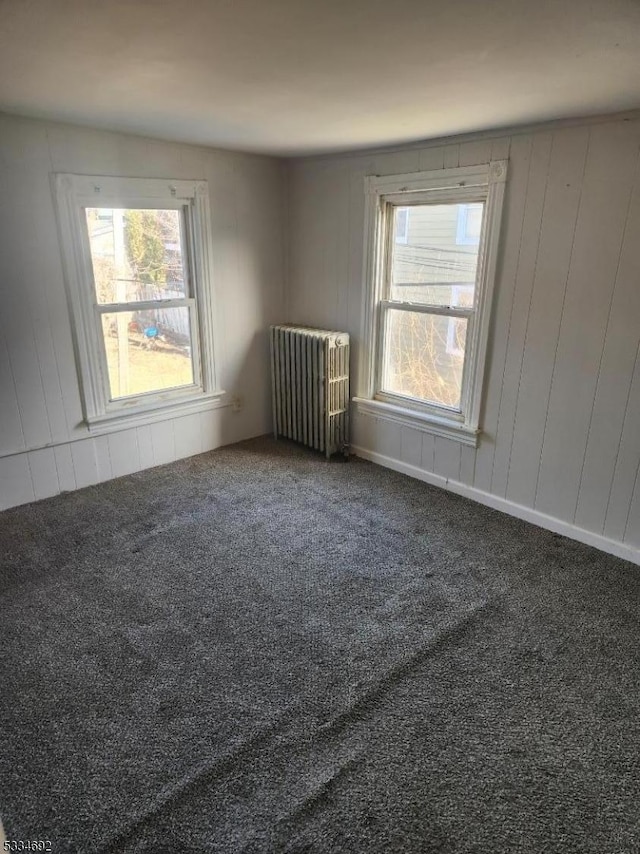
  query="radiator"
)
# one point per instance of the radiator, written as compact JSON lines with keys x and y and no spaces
{"x":310,"y":386}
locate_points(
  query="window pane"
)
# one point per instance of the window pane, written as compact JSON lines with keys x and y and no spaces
{"x":424,"y":356}
{"x":432,"y":261}
{"x":136,"y":254}
{"x":147,"y":350}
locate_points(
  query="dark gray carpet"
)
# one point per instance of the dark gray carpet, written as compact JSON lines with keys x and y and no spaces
{"x":256,"y":651}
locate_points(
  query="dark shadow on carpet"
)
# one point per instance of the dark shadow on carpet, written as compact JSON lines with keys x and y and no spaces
{"x":256,"y":651}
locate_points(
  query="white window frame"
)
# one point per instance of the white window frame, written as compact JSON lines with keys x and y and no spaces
{"x":461,"y":185}
{"x":74,"y":194}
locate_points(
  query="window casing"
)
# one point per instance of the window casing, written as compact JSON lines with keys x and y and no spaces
{"x":143,"y":333}
{"x":427,"y":304}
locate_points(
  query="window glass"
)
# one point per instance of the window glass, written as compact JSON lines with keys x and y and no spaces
{"x":424,"y":356}
{"x":136,"y":254}
{"x":147,"y":350}
{"x":432,"y":268}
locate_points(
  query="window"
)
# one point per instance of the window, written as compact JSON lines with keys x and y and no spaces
{"x":428,"y":302}
{"x":137,"y":265}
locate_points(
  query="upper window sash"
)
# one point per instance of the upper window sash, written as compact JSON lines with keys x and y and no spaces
{"x":186,"y":258}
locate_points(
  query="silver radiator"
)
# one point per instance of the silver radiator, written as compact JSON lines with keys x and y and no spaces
{"x":310,"y":385}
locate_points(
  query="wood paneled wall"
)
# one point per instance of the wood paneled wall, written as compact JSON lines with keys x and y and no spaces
{"x":44,"y":447}
{"x":561,"y":407}
{"x":561,"y":402}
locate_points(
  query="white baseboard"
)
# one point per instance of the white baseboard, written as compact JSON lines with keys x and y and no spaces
{"x":598,"y":541}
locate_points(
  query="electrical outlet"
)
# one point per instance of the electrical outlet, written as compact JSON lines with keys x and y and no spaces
{"x":236,"y":403}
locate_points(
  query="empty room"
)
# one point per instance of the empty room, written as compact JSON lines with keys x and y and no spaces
{"x":320,"y":427}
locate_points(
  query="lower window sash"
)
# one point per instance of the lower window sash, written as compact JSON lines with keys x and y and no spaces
{"x":148,"y":351}
{"x":423,"y":356}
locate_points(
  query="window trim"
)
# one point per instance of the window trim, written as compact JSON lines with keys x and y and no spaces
{"x":485,"y":182}
{"x":74,"y":193}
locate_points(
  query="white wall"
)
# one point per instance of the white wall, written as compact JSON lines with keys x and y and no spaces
{"x":44,"y":447}
{"x":561,"y":410}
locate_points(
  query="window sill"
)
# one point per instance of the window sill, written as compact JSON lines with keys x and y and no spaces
{"x":112,"y":422}
{"x":426,"y":423}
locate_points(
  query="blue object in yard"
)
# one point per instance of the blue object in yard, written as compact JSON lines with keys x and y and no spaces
{"x":151,"y":332}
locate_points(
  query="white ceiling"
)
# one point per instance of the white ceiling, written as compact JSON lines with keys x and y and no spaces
{"x":307,"y":76}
